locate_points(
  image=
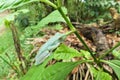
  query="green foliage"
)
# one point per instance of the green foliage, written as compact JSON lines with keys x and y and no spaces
{"x":58,"y":71}
{"x":65,"y":53}
{"x":56,"y":27}
{"x":36,"y":12}
{"x":53,"y":17}
{"x":13,"y":4}
{"x":5,"y":41}
{"x":10,"y":17}
{"x":115,"y":65}
{"x":22,"y":19}
{"x":9,"y":56}
{"x":19,"y":15}
{"x":4,"y":68}
{"x":86,"y":54}
{"x":99,"y":74}
{"x":53,"y":71}
{"x":90,"y":10}
{"x":116,"y":54}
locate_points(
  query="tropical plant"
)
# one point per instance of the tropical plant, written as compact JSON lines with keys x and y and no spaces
{"x":90,"y":10}
{"x":53,"y":49}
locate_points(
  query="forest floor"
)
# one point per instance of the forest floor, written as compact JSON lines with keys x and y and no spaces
{"x":111,"y":39}
{"x":108,"y":39}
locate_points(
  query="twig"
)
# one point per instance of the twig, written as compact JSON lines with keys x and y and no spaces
{"x":87,"y":75}
{"x":117,"y":45}
{"x":18,"y":47}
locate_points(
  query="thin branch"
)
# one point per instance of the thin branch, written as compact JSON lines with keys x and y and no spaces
{"x":18,"y":47}
{"x":117,"y":45}
{"x":76,"y":33}
{"x":49,"y":3}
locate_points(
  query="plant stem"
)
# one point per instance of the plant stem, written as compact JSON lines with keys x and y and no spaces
{"x":117,"y":45}
{"x":49,"y":3}
{"x":70,"y":26}
{"x":18,"y":47}
{"x":76,"y":33}
{"x":9,"y":64}
{"x":69,"y":32}
{"x":66,"y":19}
{"x":59,"y":3}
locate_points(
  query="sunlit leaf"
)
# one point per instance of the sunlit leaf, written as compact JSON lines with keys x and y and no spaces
{"x":66,"y":53}
{"x":86,"y":54}
{"x":10,"y":4}
{"x":11,"y":16}
{"x":99,"y":74}
{"x":116,"y":54}
{"x":55,"y":16}
{"x":115,"y":65}
{"x":58,"y":71}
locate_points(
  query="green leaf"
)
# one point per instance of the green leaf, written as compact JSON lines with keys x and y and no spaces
{"x":116,"y":54}
{"x":86,"y":54}
{"x":48,"y":47}
{"x":100,"y":75}
{"x":115,"y":64}
{"x":58,"y":71}
{"x":66,"y":53}
{"x":10,"y":17}
{"x":103,"y":76}
{"x":56,"y":27}
{"x":33,"y":73}
{"x":55,"y":16}
{"x":10,"y":4}
{"x":7,"y":23}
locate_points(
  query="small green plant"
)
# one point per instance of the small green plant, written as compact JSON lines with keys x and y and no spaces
{"x":55,"y":49}
{"x":5,"y":41}
{"x":90,"y":10}
{"x":51,"y":72}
